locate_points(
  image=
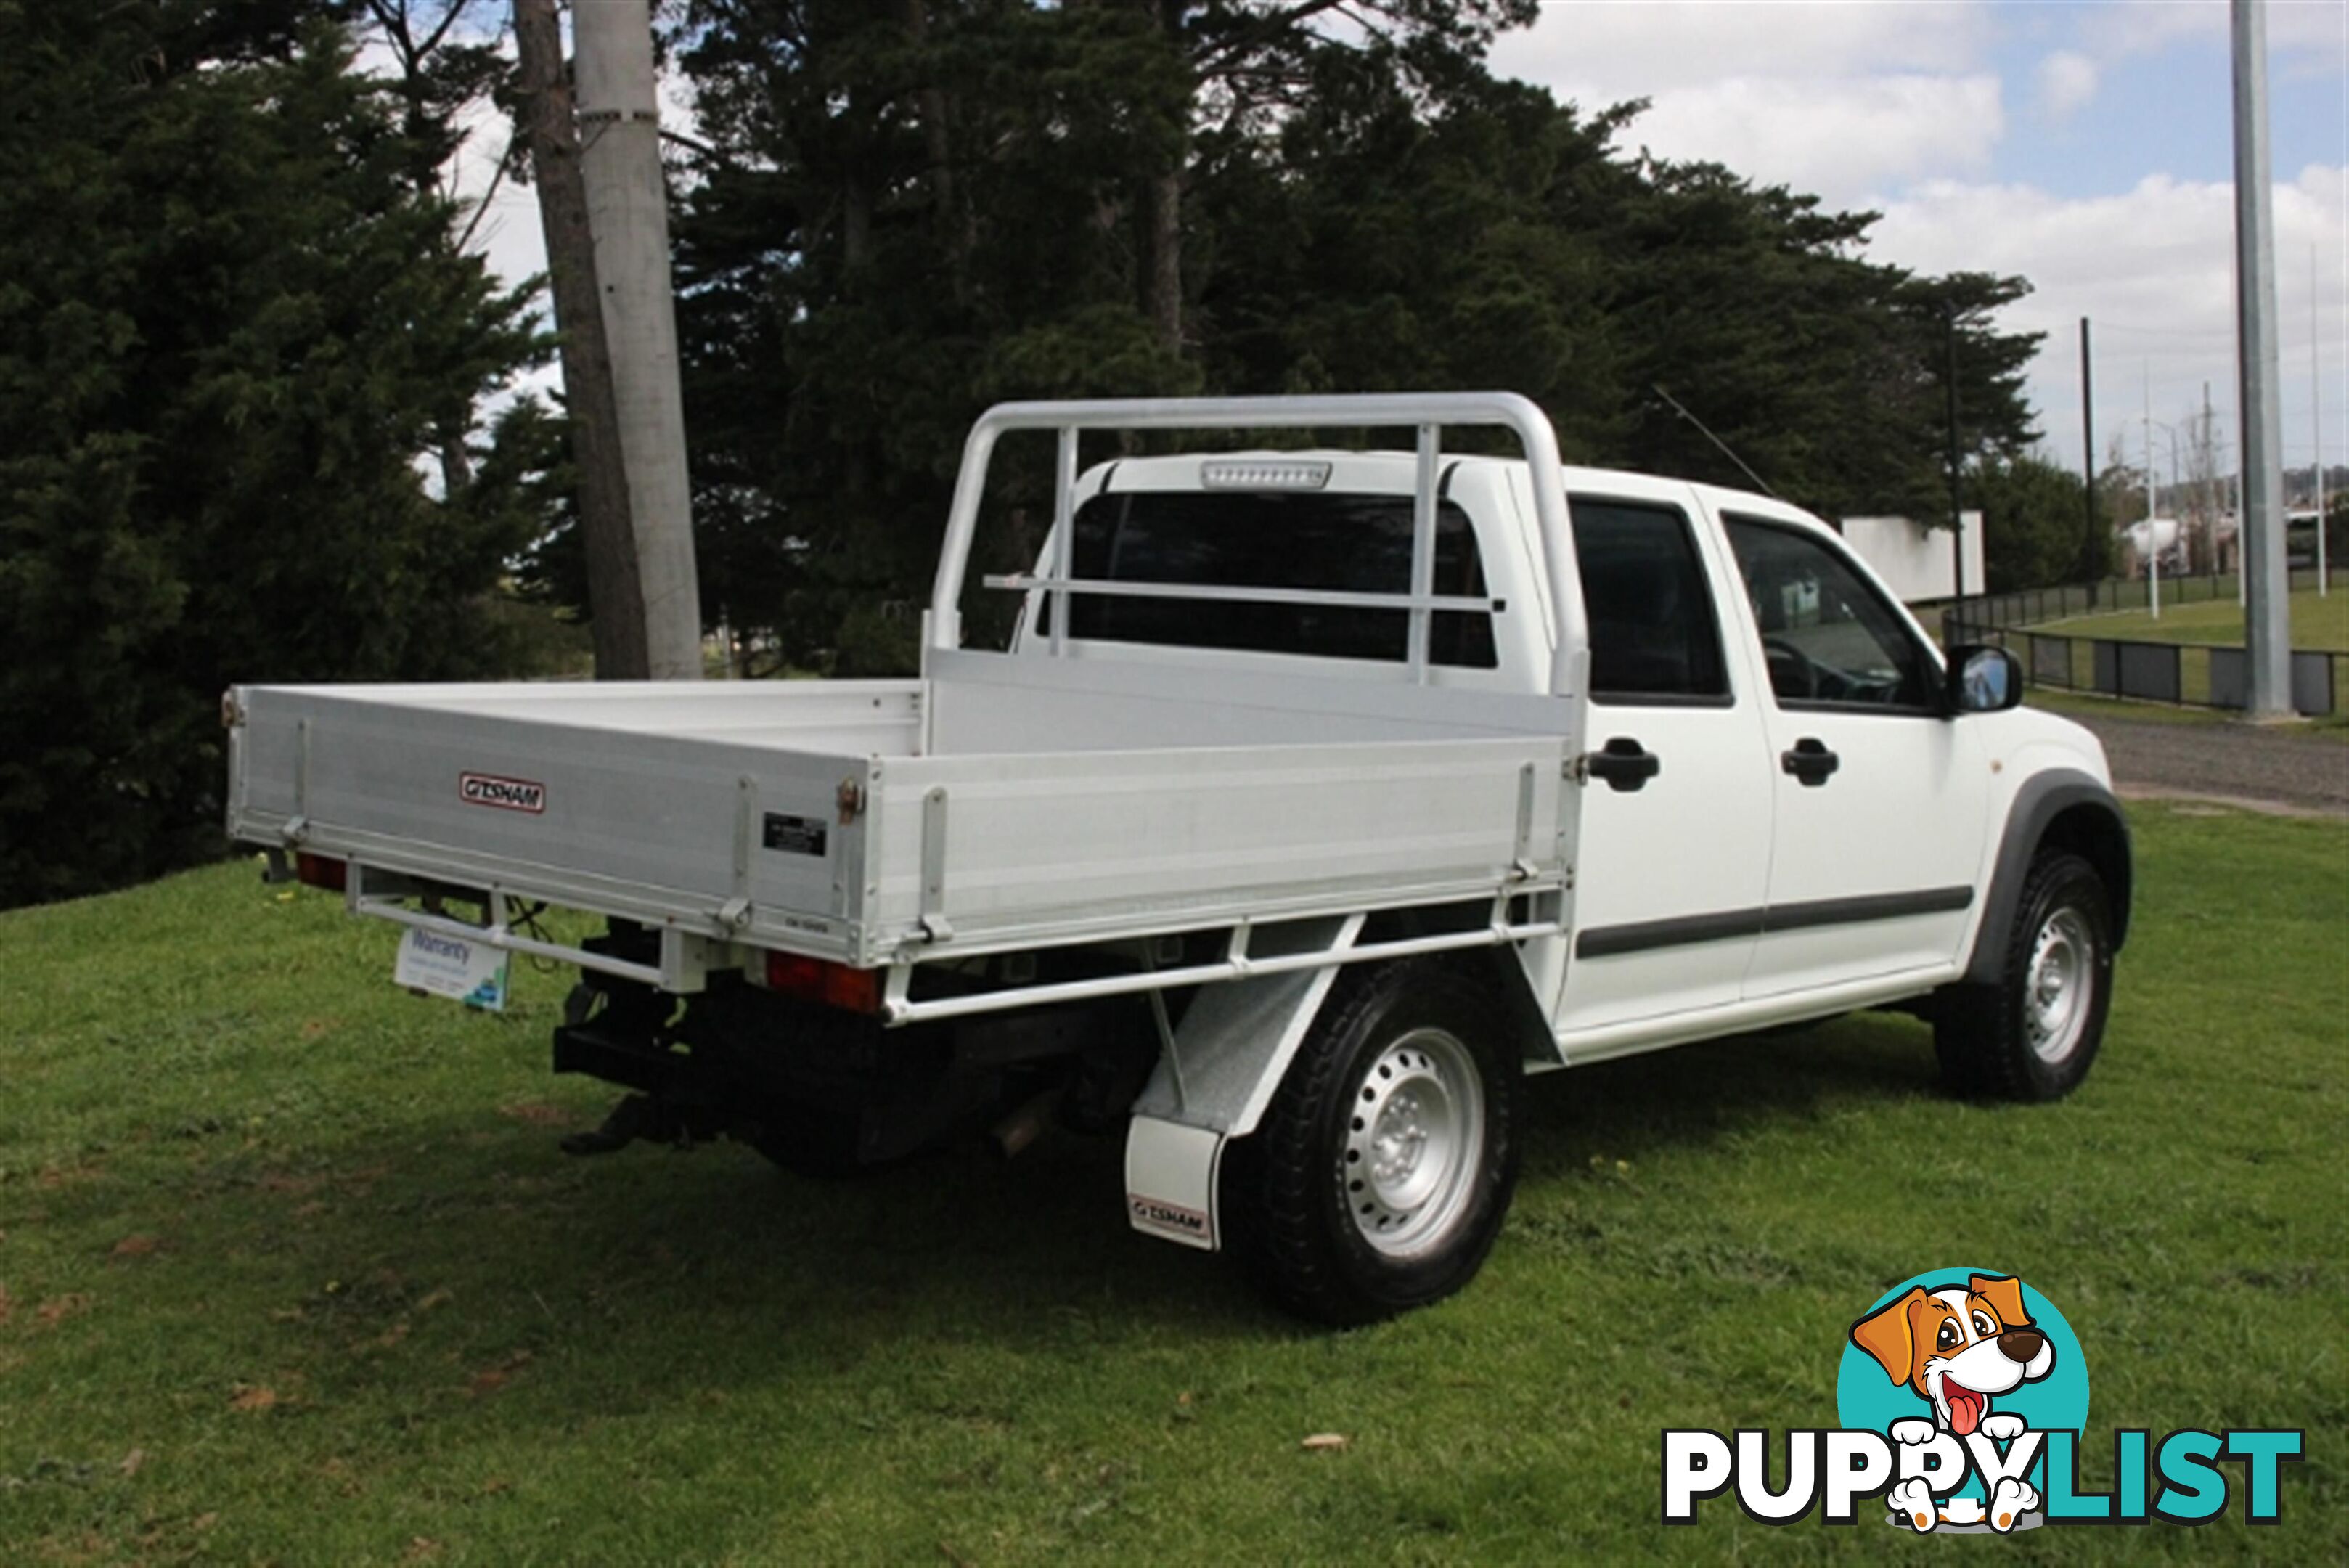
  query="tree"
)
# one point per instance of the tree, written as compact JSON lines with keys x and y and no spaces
{"x":230,"y":327}
{"x":2120,"y":485}
{"x":2033,"y":520}
{"x":443,"y":68}
{"x":901,"y":212}
{"x":1226,"y":66}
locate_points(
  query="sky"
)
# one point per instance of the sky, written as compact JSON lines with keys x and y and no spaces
{"x":2087,"y":146}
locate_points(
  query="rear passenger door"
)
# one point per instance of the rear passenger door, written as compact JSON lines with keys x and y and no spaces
{"x":1881,"y":800}
{"x":1675,"y":839}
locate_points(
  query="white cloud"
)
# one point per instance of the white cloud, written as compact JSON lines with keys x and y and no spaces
{"x":1897,"y":106}
{"x":2151,"y":25}
{"x":2153,"y":267}
{"x":2307,"y":34}
{"x":1838,"y":99}
{"x":2067,"y":84}
{"x":1634,"y":48}
{"x":1841,"y":139}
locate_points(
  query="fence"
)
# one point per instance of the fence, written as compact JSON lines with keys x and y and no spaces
{"x":2036,"y":607}
{"x":2191,"y":674}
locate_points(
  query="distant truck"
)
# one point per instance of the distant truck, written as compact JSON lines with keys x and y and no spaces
{"x":1321,"y":798}
{"x":2150,"y":536}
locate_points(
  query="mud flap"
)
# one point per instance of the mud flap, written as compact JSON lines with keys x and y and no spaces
{"x":1170,"y":1180}
{"x":1215,"y":1076}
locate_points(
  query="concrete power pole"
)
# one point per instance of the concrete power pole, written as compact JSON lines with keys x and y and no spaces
{"x":628,"y":210}
{"x":543,"y":118}
{"x":2266,"y":592}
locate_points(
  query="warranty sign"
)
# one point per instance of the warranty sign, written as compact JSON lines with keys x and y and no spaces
{"x":472,"y":972}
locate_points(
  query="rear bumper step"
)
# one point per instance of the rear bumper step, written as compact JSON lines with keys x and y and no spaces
{"x":635,"y":1064}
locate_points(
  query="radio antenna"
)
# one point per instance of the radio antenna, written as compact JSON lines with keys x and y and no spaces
{"x":1716,"y":441}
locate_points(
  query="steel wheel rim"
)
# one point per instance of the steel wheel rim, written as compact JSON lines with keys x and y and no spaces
{"x":2057,"y":986}
{"x":1414,"y":1142}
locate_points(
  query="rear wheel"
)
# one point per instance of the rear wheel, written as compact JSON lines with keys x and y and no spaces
{"x":1383,"y":1168}
{"x":2032,"y":1033}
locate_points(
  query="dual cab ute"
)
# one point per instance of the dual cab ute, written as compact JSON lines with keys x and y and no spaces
{"x":1319,"y":798}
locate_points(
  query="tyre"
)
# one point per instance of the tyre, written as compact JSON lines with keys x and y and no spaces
{"x":2032,"y":1033}
{"x":1383,"y":1168}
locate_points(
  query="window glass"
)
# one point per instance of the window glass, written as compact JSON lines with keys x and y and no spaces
{"x":1653,"y":633}
{"x":1829,"y":638}
{"x":1324,"y":542}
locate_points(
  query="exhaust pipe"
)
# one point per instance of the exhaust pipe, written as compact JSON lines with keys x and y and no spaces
{"x":1024,"y":1126}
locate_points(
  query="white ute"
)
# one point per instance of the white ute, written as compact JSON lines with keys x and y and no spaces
{"x":1320,"y":797}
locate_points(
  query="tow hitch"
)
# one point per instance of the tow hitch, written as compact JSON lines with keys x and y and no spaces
{"x":655,"y":1121}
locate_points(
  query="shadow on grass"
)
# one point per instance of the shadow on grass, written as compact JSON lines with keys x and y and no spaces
{"x":1698,"y":1095}
{"x":654,"y":1268}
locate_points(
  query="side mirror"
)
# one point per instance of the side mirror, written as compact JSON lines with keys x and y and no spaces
{"x":1982,"y":680}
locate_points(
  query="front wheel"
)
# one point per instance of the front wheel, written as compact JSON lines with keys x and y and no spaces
{"x":2032,"y":1033}
{"x":1383,"y":1168}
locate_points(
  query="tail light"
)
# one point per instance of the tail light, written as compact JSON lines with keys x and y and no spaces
{"x":830,"y":984}
{"x":322,"y":871}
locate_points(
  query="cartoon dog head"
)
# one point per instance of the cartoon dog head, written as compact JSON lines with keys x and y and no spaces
{"x":1957,"y":1346}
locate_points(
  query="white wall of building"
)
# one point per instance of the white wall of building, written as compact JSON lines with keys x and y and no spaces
{"x":1915,"y":560}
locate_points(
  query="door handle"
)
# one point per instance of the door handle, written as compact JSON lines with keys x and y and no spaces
{"x":1624,"y":763}
{"x":1810,"y":762}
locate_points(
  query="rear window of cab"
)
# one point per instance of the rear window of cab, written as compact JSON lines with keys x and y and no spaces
{"x":1321,"y":542}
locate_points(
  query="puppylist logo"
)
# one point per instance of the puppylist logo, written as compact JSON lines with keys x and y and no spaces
{"x":1963,"y":1398}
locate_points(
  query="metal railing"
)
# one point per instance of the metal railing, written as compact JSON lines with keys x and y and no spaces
{"x":2037,"y":607}
{"x":2189,"y":674}
{"x":1427,"y":414}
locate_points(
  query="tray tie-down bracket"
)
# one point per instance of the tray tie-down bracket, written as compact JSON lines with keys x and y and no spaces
{"x":933,"y":924}
{"x":735,"y":913}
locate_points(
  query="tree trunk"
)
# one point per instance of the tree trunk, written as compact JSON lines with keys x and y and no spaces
{"x":615,"y":597}
{"x":456,"y":466}
{"x":1163,"y":299}
{"x":1163,"y":209}
{"x":957,"y":228}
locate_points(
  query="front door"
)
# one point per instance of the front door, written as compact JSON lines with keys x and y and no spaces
{"x":1881,"y":799}
{"x":1674,"y":848}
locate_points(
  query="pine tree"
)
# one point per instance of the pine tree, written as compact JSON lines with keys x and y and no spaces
{"x":229,"y":328}
{"x":905,"y":211}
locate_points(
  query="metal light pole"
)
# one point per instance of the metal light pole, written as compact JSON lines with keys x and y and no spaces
{"x":1957,"y":502}
{"x":2088,"y":465}
{"x":628,"y":210}
{"x":2266,"y":590}
{"x":2169,"y":433}
{"x":2316,"y":416}
{"x":2152,"y":533}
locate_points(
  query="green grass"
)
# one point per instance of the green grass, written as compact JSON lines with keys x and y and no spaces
{"x":2316,"y":623}
{"x":2080,"y":705}
{"x":293,"y":1272}
{"x":2083,"y":705}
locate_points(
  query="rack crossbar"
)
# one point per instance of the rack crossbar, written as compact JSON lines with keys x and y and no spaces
{"x":901,"y":1009}
{"x":1328,"y":598}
